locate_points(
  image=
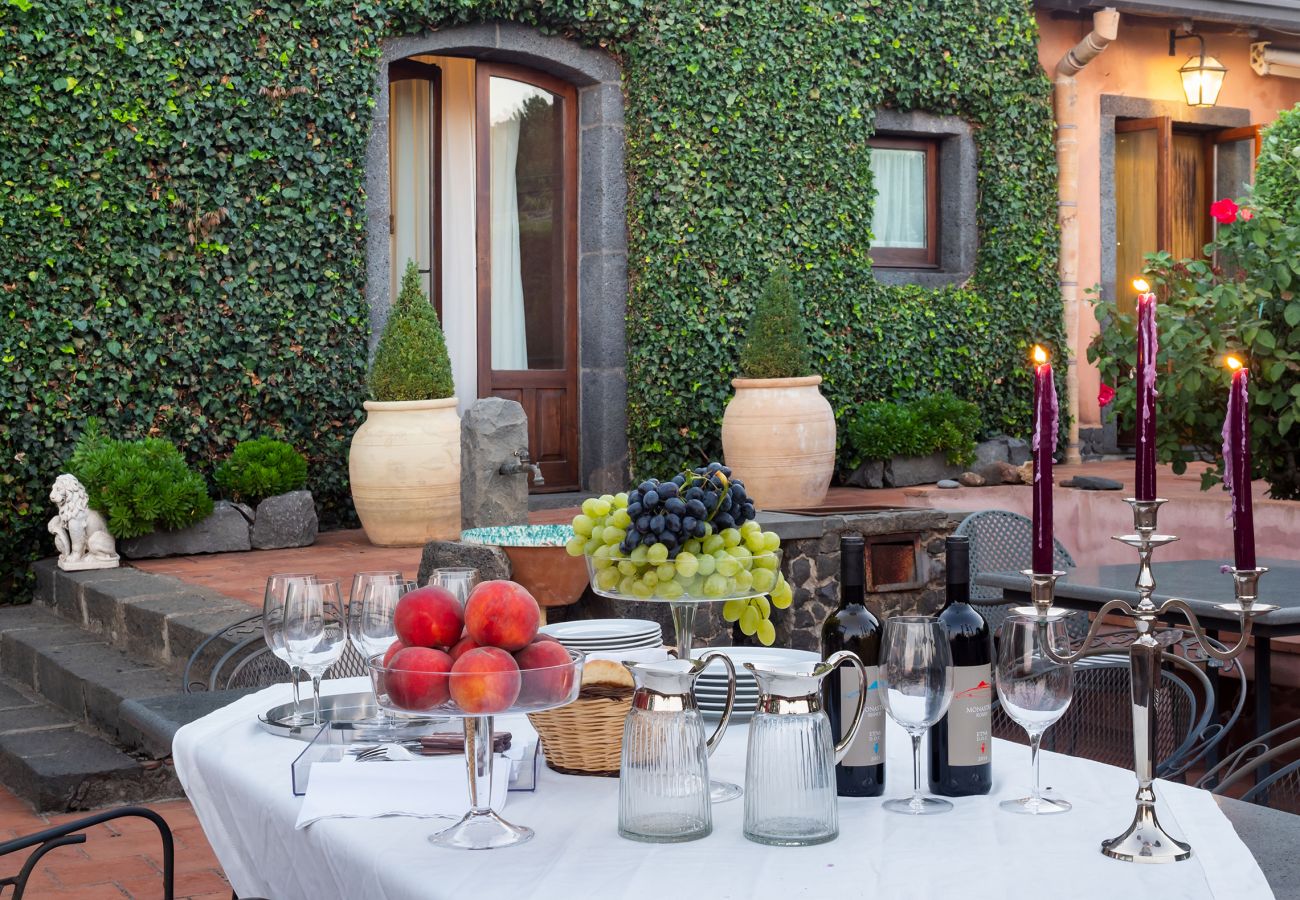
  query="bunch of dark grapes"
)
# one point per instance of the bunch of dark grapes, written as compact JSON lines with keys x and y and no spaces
{"x":692,"y":505}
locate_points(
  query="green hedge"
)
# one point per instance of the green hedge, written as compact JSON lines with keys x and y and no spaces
{"x":182,"y":215}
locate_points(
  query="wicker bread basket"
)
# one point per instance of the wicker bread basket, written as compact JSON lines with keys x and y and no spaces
{"x":585,"y":737}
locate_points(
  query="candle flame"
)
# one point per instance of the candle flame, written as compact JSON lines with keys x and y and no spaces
{"x":1140,"y":285}
{"x":1040,"y":355}
{"x":1233,"y":362}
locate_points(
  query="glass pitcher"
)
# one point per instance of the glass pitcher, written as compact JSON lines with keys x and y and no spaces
{"x":663,"y":778}
{"x":790,"y":770}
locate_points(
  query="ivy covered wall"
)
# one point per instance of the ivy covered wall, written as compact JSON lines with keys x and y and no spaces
{"x":182,"y":238}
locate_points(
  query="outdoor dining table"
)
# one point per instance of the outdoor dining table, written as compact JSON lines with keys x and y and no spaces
{"x":238,"y":778}
{"x":1198,"y":581}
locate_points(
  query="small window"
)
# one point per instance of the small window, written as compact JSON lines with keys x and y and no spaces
{"x":905,"y":219}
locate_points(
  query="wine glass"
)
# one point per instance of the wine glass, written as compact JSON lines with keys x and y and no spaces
{"x":371,"y":628}
{"x":460,"y":580}
{"x":315,"y":630}
{"x":1035,"y":691}
{"x":277,"y":586}
{"x":916,"y":682}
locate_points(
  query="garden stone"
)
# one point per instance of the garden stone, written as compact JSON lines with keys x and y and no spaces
{"x":970,"y":479}
{"x":908,"y":470}
{"x":948,"y":484}
{"x":225,"y":531}
{"x":1017,"y":452}
{"x":871,"y":474}
{"x":490,"y":561}
{"x":492,"y":432}
{"x":249,"y":513}
{"x":999,"y":473}
{"x":991,"y":451}
{"x":285,"y":520}
{"x":1093,"y":483}
{"x":1026,"y":470}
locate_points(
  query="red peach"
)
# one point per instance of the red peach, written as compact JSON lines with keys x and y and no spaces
{"x":428,"y":617}
{"x":392,"y":650}
{"x":463,"y":646}
{"x":544,"y":687}
{"x":501,"y":614}
{"x":417,"y":678}
{"x":485,"y":680}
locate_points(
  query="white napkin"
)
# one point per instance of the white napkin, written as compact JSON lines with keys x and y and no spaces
{"x":424,"y":788}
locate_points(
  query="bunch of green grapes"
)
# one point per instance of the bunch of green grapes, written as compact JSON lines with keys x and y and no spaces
{"x":734,"y":561}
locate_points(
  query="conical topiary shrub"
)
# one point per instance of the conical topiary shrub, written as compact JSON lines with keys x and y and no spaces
{"x":775,"y":344}
{"x":411,"y":361}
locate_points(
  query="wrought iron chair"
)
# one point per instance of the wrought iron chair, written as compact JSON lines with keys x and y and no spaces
{"x":1279,"y":789}
{"x":70,"y":833}
{"x":247,"y":662}
{"x":1098,"y":724}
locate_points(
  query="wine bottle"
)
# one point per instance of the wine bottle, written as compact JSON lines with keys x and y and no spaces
{"x":853,"y":627}
{"x":961,"y":743}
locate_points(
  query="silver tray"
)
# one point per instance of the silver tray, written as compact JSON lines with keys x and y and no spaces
{"x":346,"y":712}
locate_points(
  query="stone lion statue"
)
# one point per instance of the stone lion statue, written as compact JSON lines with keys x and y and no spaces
{"x":80,"y":534}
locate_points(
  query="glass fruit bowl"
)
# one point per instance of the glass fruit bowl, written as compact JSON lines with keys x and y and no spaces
{"x":542,"y":678}
{"x":735,"y":574}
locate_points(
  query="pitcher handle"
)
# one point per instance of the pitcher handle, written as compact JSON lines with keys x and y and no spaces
{"x":838,"y":659}
{"x":707,"y":658}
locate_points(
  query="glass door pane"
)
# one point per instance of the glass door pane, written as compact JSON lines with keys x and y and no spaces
{"x":1141,"y":201}
{"x":412,"y":120}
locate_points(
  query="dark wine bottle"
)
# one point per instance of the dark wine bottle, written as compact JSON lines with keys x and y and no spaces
{"x":961,"y":743}
{"x":853,"y":627}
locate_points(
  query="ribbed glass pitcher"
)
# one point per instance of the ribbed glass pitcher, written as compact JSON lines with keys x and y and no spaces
{"x":663,"y":777}
{"x":790,"y":796}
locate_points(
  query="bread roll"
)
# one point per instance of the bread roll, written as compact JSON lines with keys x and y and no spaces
{"x":603,"y":671}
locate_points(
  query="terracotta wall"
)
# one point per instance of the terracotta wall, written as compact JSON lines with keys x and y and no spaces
{"x":1138,"y":65}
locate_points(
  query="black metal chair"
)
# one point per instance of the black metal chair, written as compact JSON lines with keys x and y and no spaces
{"x":245,"y":661}
{"x":1279,"y":789}
{"x":70,"y":833}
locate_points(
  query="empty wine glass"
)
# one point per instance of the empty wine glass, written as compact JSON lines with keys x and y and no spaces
{"x":277,"y":587}
{"x":460,"y":580}
{"x":371,"y":628}
{"x":315,"y":630}
{"x":916,"y":682}
{"x":1035,"y":691}
{"x":361,"y":581}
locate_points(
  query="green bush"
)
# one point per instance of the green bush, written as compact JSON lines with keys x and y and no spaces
{"x":775,"y":345}
{"x":138,"y":486}
{"x":261,"y":468}
{"x":411,"y":361}
{"x":939,"y":422}
{"x":1277,"y":171}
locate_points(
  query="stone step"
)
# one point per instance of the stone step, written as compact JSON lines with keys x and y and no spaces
{"x":80,"y":673}
{"x":59,"y":765}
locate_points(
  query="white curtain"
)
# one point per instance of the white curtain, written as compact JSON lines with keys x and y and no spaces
{"x":509,"y":341}
{"x":410,"y":164}
{"x":898,"y":219}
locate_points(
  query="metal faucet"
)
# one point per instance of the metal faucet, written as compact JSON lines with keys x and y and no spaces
{"x":522,"y":466}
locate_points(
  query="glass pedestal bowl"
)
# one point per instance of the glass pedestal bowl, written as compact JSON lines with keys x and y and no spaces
{"x":474,"y":698}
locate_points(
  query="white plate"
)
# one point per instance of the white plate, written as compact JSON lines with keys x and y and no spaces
{"x":612,"y":642}
{"x":613,"y":648}
{"x":600,"y":629}
{"x":760,"y":655}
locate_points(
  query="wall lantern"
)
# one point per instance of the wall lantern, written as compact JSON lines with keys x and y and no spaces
{"x":1202,"y":75}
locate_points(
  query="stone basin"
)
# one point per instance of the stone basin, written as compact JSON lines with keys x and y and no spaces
{"x":538,"y":559}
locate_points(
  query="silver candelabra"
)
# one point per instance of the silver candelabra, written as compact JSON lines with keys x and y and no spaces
{"x":1145,"y":840}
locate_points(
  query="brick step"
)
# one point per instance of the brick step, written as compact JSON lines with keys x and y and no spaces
{"x":58,"y":764}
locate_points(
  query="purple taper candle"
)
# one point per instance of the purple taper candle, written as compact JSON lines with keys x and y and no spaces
{"x":1147,"y":347}
{"x":1236,"y":465}
{"x":1046,"y":422}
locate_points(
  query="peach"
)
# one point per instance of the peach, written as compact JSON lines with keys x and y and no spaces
{"x":485,"y":680}
{"x":417,"y":678}
{"x":428,"y":617}
{"x":462,"y":646}
{"x":544,"y":687}
{"x":392,"y":650}
{"x":501,"y":614}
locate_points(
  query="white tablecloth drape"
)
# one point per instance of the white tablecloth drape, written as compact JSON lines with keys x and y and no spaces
{"x":237,"y":777}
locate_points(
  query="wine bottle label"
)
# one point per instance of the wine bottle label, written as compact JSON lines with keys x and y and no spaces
{"x":868,"y":748}
{"x":970,"y":720}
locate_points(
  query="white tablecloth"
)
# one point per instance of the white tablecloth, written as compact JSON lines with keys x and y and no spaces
{"x":237,"y":777}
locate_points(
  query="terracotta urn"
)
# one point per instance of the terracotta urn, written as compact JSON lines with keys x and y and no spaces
{"x":778,"y":436}
{"x":404,"y":467}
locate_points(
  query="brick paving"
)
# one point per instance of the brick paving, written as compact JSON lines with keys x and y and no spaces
{"x":120,"y":859}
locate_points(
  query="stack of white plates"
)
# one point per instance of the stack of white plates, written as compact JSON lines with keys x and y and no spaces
{"x":711,"y":686}
{"x":606,"y":635}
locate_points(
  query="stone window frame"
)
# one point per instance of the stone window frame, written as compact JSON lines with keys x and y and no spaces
{"x":602,"y":219}
{"x":958,"y":195}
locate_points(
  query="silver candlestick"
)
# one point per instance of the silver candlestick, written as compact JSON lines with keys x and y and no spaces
{"x":1146,"y":840}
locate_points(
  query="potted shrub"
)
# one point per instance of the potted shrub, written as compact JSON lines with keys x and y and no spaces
{"x":916,"y":442}
{"x":404,"y":464}
{"x":270,"y":475}
{"x":778,"y":432}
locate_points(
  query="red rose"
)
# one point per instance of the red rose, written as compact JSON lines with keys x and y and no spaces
{"x":1245,"y":214}
{"x":1224,"y":211}
{"x":1105,"y":394}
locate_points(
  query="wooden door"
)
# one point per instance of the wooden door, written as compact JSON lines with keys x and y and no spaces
{"x":527,"y":258}
{"x":1142,"y":220}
